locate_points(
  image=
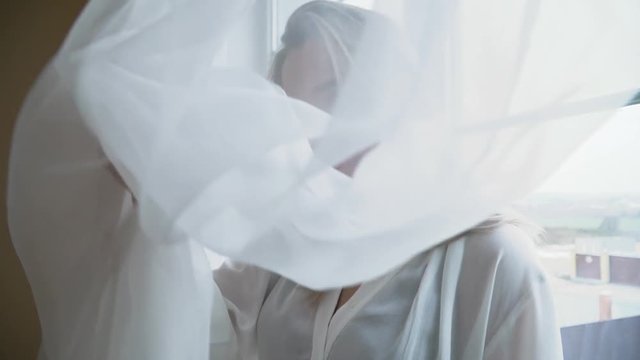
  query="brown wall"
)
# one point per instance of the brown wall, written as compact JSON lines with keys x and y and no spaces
{"x":30,"y":32}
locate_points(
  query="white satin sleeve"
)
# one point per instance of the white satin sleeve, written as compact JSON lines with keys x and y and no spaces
{"x":521,"y":318}
{"x":529,"y":332}
{"x":495,"y":300}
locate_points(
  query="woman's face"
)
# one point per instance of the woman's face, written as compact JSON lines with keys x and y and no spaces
{"x":308,"y":74}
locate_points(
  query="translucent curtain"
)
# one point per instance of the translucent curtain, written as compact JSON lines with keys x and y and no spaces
{"x":463,"y":107}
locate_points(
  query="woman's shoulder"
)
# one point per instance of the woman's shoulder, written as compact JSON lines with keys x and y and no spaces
{"x":505,"y":257}
{"x":502,"y":277}
{"x":509,"y":239}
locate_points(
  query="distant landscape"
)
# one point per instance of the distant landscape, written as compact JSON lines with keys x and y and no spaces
{"x":567,"y":216}
{"x":569,"y":220}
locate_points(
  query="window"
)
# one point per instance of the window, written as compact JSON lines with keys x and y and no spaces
{"x":591,"y":212}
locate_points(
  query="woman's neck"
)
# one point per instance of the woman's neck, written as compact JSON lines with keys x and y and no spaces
{"x":345,"y":295}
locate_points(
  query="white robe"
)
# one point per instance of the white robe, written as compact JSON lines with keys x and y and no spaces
{"x":482,"y":296}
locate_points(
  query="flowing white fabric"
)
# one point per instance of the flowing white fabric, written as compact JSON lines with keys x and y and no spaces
{"x":468,"y":106}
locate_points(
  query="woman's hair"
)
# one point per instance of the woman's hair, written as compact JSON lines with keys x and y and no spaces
{"x":513,"y":218}
{"x":337,"y":25}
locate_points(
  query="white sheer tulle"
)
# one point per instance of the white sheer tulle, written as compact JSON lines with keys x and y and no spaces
{"x":466,"y":106}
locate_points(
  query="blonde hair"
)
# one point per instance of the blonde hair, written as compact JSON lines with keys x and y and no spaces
{"x":339,"y":25}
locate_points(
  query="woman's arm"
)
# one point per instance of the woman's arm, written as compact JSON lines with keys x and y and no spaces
{"x":529,"y":331}
{"x":244,"y":289}
{"x":504,"y":302}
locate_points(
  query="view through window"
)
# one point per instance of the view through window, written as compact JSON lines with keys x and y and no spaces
{"x":590,"y":209}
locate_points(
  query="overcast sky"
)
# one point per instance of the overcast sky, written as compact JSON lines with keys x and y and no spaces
{"x":609,"y":162}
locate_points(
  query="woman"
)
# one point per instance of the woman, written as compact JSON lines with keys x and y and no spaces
{"x":480,"y":295}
